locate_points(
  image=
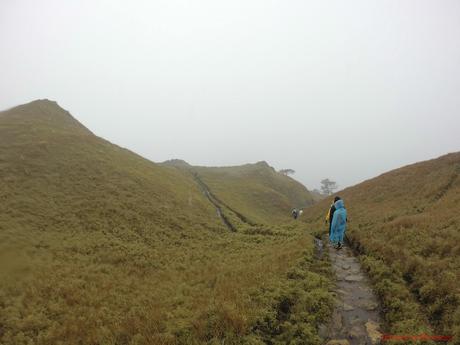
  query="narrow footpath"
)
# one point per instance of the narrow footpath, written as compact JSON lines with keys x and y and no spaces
{"x":356,"y":319}
{"x":212,"y":199}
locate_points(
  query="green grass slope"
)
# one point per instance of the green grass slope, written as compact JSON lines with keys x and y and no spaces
{"x":59,"y":173}
{"x":100,"y":246}
{"x":406,"y":225}
{"x":255,"y":191}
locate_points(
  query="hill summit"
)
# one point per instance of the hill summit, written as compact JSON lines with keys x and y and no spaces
{"x":44,"y":115}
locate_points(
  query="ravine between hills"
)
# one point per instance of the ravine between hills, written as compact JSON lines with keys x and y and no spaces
{"x":356,"y":317}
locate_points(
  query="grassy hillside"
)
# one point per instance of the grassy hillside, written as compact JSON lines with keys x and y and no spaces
{"x":100,"y":246}
{"x":59,"y":173}
{"x":406,"y":225}
{"x":255,"y":191}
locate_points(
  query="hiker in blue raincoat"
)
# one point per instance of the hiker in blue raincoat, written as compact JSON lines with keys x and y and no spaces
{"x":339,"y":224}
{"x":330,"y":215}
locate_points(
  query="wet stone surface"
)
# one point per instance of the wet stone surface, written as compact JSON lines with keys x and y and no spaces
{"x":356,"y":319}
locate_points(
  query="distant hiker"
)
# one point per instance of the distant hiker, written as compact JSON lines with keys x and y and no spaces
{"x":339,"y":224}
{"x":295,"y":213}
{"x":330,"y":215}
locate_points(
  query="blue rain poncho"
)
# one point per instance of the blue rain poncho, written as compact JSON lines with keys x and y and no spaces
{"x":339,"y":222}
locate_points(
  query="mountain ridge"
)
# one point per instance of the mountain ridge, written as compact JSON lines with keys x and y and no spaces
{"x":255,"y":191}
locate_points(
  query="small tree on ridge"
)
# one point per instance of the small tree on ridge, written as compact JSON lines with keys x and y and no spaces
{"x":328,"y":186}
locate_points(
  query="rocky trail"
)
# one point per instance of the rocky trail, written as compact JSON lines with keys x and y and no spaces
{"x":356,"y":319}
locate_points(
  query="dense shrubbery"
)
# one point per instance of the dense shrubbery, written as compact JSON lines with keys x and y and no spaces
{"x":242,"y":288}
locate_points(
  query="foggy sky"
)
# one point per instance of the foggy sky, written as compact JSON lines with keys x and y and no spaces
{"x":338,"y":89}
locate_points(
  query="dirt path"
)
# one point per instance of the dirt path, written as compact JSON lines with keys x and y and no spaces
{"x":356,"y":318}
{"x":214,"y":201}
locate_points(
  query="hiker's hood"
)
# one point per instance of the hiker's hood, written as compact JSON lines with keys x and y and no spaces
{"x":339,"y":204}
